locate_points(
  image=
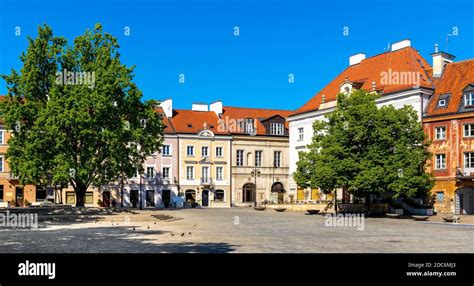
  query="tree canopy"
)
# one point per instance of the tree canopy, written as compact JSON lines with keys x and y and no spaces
{"x":76,"y":114}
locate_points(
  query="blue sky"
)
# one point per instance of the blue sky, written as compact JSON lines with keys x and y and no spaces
{"x":277,"y":38}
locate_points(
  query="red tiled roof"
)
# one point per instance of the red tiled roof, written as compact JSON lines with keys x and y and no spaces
{"x":168,"y":127}
{"x":190,"y":121}
{"x":370,"y":70}
{"x":242,"y":113}
{"x":455,"y":78}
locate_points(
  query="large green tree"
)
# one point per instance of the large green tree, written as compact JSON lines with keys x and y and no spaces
{"x":76,"y":114}
{"x":367,"y":150}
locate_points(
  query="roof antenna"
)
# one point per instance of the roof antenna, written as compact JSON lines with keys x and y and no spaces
{"x":447,"y":40}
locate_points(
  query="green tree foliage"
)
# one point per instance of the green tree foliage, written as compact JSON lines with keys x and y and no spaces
{"x":76,"y":113}
{"x":367,"y":150}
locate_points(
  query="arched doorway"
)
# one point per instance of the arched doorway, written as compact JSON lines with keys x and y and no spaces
{"x":279,"y":190}
{"x":248,"y":193}
{"x":190,"y":196}
{"x":464,"y":203}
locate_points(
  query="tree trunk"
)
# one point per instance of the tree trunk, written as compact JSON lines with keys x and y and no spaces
{"x":121,"y":191}
{"x":80,"y":195}
{"x":367,"y":204}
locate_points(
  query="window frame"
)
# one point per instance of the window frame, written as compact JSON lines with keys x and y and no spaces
{"x":221,"y":177}
{"x":168,"y":148}
{"x":220,"y":153}
{"x":444,"y":133}
{"x":2,"y":163}
{"x":192,"y":173}
{"x":300,"y":133}
{"x":147,"y":174}
{"x":190,"y":147}
{"x":237,"y":158}
{"x":277,"y":128}
{"x":443,"y":167}
{"x":471,"y":99}
{"x":470,"y":129}
{"x":163,"y":172}
{"x":469,"y":158}
{"x":207,"y":151}
{"x":275,"y":159}
{"x":258,"y":158}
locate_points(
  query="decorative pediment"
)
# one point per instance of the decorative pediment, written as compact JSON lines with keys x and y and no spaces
{"x":205,"y":160}
{"x":206,"y":133}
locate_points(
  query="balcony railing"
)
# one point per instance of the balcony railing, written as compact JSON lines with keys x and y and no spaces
{"x":464,"y":173}
{"x":206,"y":181}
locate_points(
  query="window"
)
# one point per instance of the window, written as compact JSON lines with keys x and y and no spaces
{"x":442,"y":102}
{"x":240,"y":158}
{"x":190,"y":151}
{"x":40,"y":195}
{"x":1,"y":194}
{"x":440,"y":133}
{"x":258,"y":158}
{"x":469,"y":99}
{"x":205,"y":174}
{"x":468,"y":130}
{"x":166,"y":172}
{"x":300,"y":134}
{"x":205,"y":151}
{"x":219,"y":196}
{"x":440,"y":161}
{"x":219,"y":152}
{"x":166,"y":150}
{"x":277,"y":128}
{"x":439,"y":197}
{"x":249,"y":126}
{"x":219,"y":173}
{"x":2,"y":137}
{"x":150,"y":172}
{"x":2,"y":159}
{"x":189,"y":173}
{"x":70,"y":198}
{"x":89,"y":198}
{"x":469,"y":160}
{"x":277,"y":159}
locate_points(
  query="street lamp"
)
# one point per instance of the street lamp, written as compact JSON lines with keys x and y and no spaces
{"x":49,"y":188}
{"x":255,"y":173}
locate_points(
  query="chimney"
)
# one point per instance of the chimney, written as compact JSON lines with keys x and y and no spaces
{"x":401,"y":44}
{"x":216,"y":106}
{"x":357,"y":58}
{"x":440,"y":60}
{"x":199,"y":106}
{"x":167,"y":106}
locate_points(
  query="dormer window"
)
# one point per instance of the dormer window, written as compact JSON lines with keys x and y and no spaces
{"x":277,"y":129}
{"x":249,"y":126}
{"x":346,"y":87}
{"x":469,"y":99}
{"x":443,"y":100}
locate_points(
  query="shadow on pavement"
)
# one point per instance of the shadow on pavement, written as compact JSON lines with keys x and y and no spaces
{"x":102,"y":240}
